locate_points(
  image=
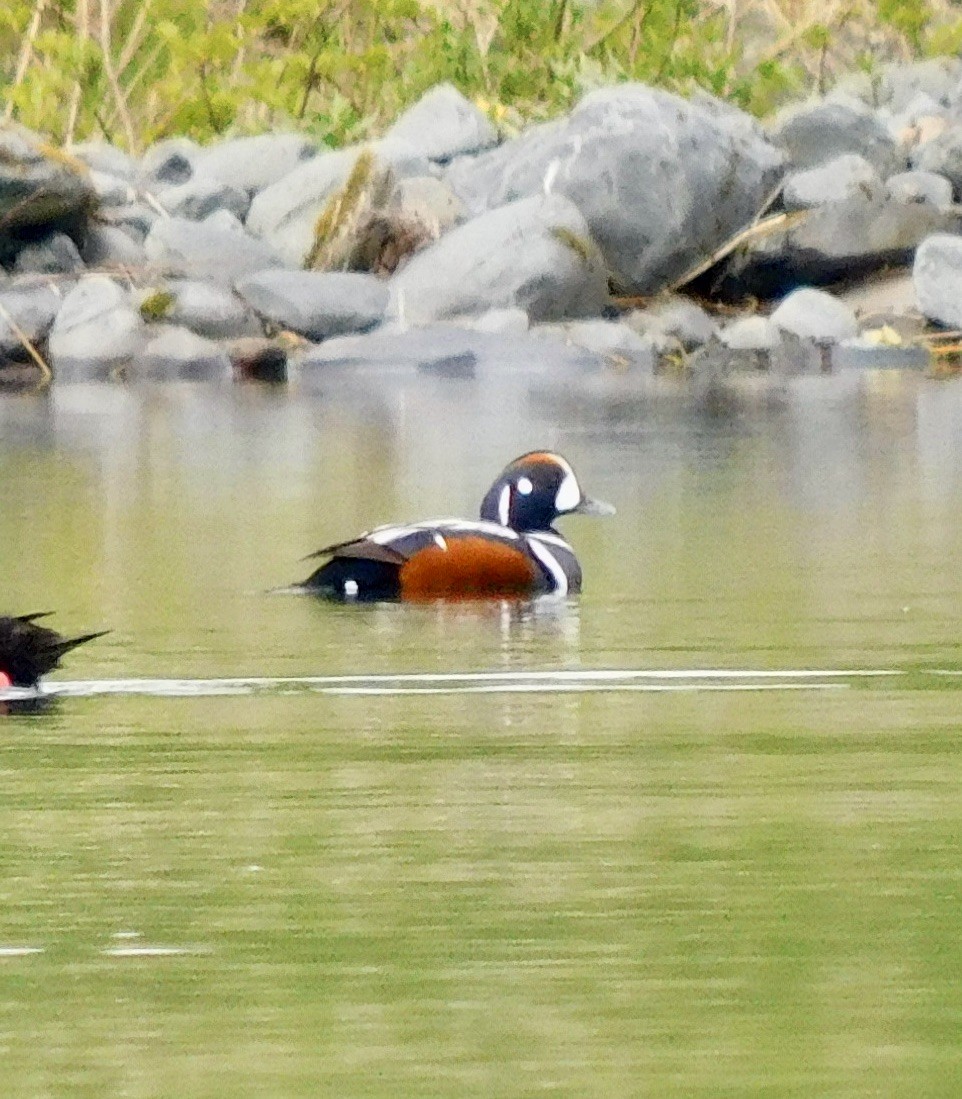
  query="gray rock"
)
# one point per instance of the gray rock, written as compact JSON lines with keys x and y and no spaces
{"x":937,"y":276}
{"x":862,"y":354}
{"x":199,"y":250}
{"x":536,"y":255}
{"x":106,"y":245}
{"x":317,"y":304}
{"x":225,"y":220}
{"x":445,"y":351}
{"x":429,"y":201}
{"x":201,"y":196}
{"x":112,"y":190}
{"x":174,"y":353}
{"x":210,"y":310}
{"x":507,"y":322}
{"x":643,"y":166}
{"x":920,"y":186}
{"x":845,"y":176}
{"x":54,"y":255}
{"x":751,"y":334}
{"x":168,"y":162}
{"x":943,"y":155}
{"x":257,"y":360}
{"x":32,"y":309}
{"x":674,"y":319}
{"x":902,"y":125}
{"x":285,"y":213}
{"x":815,"y":315}
{"x":135,"y":219}
{"x":253,"y":163}
{"x":443,"y":125}
{"x":841,"y":240}
{"x":40,"y":188}
{"x":815,"y":133}
{"x":107,"y":159}
{"x":96,"y":333}
{"x":610,"y":339}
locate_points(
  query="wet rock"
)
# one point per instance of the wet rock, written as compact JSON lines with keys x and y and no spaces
{"x":168,"y":163}
{"x":613,"y":340}
{"x":175,"y":353}
{"x":99,"y":156}
{"x":943,"y":155}
{"x":815,"y":315}
{"x":845,"y":176}
{"x":918,"y":186}
{"x":32,"y":310}
{"x":107,"y":246}
{"x":96,"y":333}
{"x":866,"y":354}
{"x":444,"y":124}
{"x":286,"y":213}
{"x":837,"y":241}
{"x":751,"y":334}
{"x":209,"y":310}
{"x":674,"y":319}
{"x":41,"y":188}
{"x":536,"y":254}
{"x":200,"y":250}
{"x":258,"y":360}
{"x":317,"y":304}
{"x":253,"y":163}
{"x":814,"y":133}
{"x":643,"y":166}
{"x":441,"y":350}
{"x":937,"y":277}
{"x":201,"y":196}
{"x":54,"y":255}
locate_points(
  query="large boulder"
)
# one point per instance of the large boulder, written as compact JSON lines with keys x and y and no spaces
{"x":286,"y":213}
{"x":41,"y":188}
{"x":836,"y":241}
{"x":97,"y":332}
{"x":443,"y":125}
{"x":536,"y":254}
{"x":202,"y":250}
{"x":317,"y":304}
{"x":662,"y":182}
{"x":209,"y":310}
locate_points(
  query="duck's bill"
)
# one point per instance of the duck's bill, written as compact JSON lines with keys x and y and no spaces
{"x":593,"y":507}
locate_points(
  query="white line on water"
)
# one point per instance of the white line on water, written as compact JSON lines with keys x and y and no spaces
{"x":587,"y":688}
{"x":19,"y":951}
{"x":393,"y":682}
{"x":149,"y":951}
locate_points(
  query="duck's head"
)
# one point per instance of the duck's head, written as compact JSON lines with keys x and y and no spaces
{"x":534,"y":490}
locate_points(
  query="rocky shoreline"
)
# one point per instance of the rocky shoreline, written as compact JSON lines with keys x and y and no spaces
{"x":641,"y":230}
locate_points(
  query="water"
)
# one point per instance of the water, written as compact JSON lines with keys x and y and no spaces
{"x":263,"y":845}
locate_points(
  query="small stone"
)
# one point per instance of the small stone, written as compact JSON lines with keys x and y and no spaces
{"x":210,"y":310}
{"x":751,"y":334}
{"x":253,"y":163}
{"x":32,"y":309}
{"x":107,"y":245}
{"x":937,"y":276}
{"x":443,"y":125}
{"x":201,"y":196}
{"x":55,"y":255}
{"x":96,"y":333}
{"x":674,"y":318}
{"x":317,"y":304}
{"x":846,"y":176}
{"x":815,"y":315}
{"x":919,"y":186}
{"x":258,"y":360}
{"x":814,"y":133}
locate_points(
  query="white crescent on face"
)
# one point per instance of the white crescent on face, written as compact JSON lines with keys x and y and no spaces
{"x":568,"y":496}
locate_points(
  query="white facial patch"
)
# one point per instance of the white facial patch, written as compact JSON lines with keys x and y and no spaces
{"x":504,"y":505}
{"x":569,"y":492}
{"x":439,"y":541}
{"x":350,"y":589}
{"x":525,"y":487}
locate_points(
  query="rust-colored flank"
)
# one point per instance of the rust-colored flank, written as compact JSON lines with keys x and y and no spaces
{"x":470,"y":567}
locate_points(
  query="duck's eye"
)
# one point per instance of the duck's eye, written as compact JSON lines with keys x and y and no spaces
{"x":524,"y":486}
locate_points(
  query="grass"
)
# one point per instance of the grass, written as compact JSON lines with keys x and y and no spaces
{"x":135,"y":71}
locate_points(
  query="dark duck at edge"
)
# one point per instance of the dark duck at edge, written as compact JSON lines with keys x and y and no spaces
{"x":512,"y":551}
{"x":28,"y":650}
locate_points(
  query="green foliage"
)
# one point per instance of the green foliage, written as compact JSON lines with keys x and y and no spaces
{"x":343,"y":69}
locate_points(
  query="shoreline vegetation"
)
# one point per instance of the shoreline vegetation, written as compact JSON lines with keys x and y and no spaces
{"x":132,"y":72}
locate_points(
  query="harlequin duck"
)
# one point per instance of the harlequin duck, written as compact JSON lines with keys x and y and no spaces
{"x":28,"y":651}
{"x":513,"y":551}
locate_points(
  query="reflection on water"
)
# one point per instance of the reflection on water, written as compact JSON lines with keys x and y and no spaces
{"x":694,"y":833}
